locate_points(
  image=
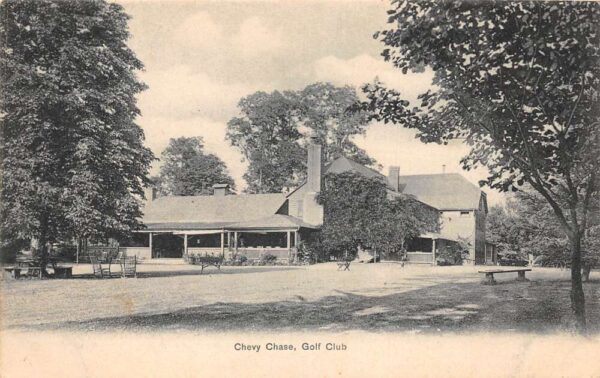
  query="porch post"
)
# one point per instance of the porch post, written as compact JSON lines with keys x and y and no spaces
{"x":185,"y":245}
{"x":289,"y":246}
{"x":235,"y":241}
{"x":222,"y":243}
{"x":296,"y":242}
{"x":433,"y":251}
{"x":150,"y":244}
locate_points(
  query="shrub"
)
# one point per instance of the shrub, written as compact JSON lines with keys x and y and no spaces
{"x":311,"y":250}
{"x":268,"y":259}
{"x":65,"y":251}
{"x":453,"y":254}
{"x":238,"y":260}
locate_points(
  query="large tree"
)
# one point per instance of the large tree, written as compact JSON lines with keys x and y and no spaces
{"x":518,"y":81}
{"x":274,"y":128}
{"x":73,"y":161}
{"x":527,"y":225}
{"x":187,"y":170}
{"x":267,"y":135}
{"x":358,"y":209}
{"x":323,"y":109}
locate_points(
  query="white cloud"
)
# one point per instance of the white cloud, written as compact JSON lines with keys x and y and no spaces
{"x":254,"y":38}
{"x":180,"y":93}
{"x":199,"y":31}
{"x":364,"y":68}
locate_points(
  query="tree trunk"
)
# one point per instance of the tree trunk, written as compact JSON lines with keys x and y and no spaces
{"x":577,"y":295}
{"x":42,"y":250}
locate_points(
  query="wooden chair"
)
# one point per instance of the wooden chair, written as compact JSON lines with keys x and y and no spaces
{"x":99,"y":271}
{"x":129,"y":266}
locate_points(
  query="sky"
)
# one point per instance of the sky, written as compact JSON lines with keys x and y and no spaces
{"x":202,"y":57}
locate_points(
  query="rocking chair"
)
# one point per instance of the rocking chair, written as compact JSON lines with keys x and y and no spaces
{"x":99,"y":270}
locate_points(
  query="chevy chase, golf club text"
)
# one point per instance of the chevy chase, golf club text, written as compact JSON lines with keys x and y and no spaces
{"x":290,"y":347}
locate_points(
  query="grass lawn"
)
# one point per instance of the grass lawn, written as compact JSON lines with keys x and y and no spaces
{"x":370,"y":297}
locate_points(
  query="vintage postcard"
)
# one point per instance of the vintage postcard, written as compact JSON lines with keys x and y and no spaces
{"x":299,"y":188}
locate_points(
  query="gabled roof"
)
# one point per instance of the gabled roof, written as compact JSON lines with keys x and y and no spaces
{"x":343,"y":164}
{"x":445,"y":191}
{"x":213,"y":211}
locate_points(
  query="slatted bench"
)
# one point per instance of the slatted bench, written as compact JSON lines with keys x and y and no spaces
{"x":489,"y":274}
{"x":59,"y":271}
{"x":206,"y":261}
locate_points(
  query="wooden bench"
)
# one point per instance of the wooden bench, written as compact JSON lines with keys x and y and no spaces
{"x":489,"y":274}
{"x":206,"y":261}
{"x":63,"y":271}
{"x":344,"y":265}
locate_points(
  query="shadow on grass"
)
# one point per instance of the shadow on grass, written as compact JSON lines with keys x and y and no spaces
{"x":539,"y":307}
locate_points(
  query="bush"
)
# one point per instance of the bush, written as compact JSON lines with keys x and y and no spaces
{"x":268,"y":259}
{"x":453,"y":254}
{"x":9,"y":248}
{"x":65,"y":251}
{"x":311,"y":250}
{"x":238,"y":260}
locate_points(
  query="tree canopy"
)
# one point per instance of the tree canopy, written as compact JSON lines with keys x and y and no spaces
{"x":73,"y":161}
{"x":357,"y":210}
{"x":518,"y":82}
{"x":274,"y":128}
{"x":187,"y":170}
{"x":527,"y":225}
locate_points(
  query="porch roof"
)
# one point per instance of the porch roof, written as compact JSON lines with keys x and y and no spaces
{"x":182,"y":226}
{"x":272,"y":222}
{"x":434,"y":235}
{"x":275,"y":221}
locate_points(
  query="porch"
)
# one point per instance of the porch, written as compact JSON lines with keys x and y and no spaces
{"x":277,"y":235}
{"x":427,"y":248}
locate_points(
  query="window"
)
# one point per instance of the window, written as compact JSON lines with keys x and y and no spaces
{"x":465,"y":213}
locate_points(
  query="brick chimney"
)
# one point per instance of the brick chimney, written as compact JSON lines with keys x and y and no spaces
{"x":394,"y":177}
{"x":314,"y":168}
{"x":150,"y":193}
{"x":220,"y":190}
{"x":312,"y":212}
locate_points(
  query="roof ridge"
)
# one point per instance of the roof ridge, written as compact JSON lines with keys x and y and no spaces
{"x":433,"y":174}
{"x":227,"y":196}
{"x":355,"y":162}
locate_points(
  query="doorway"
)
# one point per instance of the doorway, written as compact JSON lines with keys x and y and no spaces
{"x":167,"y":246}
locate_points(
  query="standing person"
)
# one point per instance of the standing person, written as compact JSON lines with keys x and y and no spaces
{"x":530,"y":256}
